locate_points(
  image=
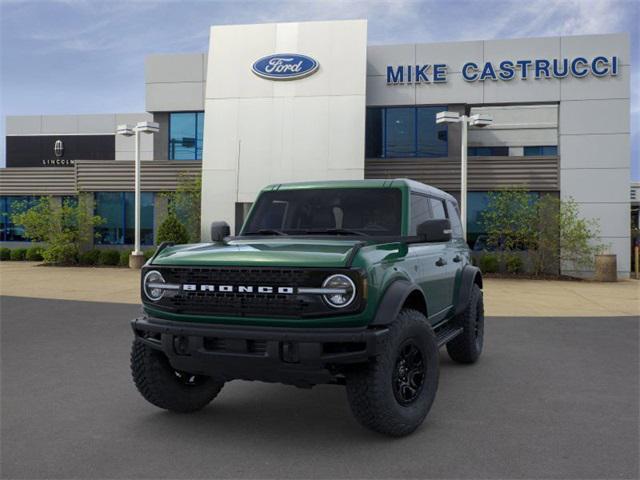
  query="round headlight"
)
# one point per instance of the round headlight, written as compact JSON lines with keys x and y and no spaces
{"x":151,"y":283}
{"x":343,"y":291}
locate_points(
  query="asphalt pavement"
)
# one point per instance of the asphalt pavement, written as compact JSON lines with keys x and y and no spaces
{"x":550,"y":398}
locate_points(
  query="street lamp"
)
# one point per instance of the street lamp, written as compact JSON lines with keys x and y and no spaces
{"x":477,"y":120}
{"x":136,"y":259}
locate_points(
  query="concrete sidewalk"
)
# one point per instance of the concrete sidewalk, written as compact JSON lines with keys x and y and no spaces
{"x":503,"y":297}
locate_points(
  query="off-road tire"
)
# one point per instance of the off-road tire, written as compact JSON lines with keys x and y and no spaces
{"x":467,"y":347}
{"x":371,"y":388}
{"x":161,"y":385}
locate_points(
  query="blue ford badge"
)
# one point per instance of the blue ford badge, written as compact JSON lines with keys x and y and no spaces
{"x":285,"y":66}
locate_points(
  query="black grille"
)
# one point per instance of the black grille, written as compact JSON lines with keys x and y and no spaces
{"x":249,"y":304}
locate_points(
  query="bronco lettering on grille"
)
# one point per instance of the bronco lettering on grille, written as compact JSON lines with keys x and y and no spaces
{"x":192,"y":287}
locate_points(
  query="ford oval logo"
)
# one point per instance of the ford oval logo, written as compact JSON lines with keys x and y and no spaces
{"x":285,"y":66}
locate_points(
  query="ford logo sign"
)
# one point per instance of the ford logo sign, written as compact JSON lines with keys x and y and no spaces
{"x":284,"y":66}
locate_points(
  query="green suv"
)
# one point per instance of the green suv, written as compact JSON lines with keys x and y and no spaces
{"x":355,"y":283}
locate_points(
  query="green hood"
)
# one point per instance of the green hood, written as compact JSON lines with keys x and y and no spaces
{"x":281,"y":252}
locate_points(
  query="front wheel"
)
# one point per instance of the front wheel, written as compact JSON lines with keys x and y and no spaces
{"x":163,"y":386}
{"x":393,"y":394}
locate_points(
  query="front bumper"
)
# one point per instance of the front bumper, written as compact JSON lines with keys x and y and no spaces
{"x":298,"y":356}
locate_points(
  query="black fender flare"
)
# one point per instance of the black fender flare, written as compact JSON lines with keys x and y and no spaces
{"x":393,"y":299}
{"x":470,"y":275}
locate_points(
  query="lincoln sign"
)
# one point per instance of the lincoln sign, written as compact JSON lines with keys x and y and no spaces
{"x":506,"y":70}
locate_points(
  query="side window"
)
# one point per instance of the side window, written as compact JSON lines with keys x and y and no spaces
{"x":420,"y":211}
{"x":454,"y":216}
{"x":437,"y":206}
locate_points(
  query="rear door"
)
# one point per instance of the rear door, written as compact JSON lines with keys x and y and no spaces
{"x":449,"y":257}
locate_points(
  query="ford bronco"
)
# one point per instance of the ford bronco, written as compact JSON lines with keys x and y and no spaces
{"x":355,"y":283}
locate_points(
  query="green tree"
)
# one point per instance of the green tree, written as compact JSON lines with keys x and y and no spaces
{"x":171,"y":230}
{"x":509,"y":219}
{"x":63,"y":227}
{"x":184,"y":203}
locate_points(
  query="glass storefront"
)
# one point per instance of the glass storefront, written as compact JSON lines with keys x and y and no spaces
{"x":117,"y":209}
{"x":9,"y":232}
{"x":185,"y":135}
{"x":396,"y":132}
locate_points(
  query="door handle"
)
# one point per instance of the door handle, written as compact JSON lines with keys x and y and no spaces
{"x":441,"y":262}
{"x":457,"y":258}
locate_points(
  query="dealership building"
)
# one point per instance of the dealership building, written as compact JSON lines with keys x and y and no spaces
{"x":272,"y":103}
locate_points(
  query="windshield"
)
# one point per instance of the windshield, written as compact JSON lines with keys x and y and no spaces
{"x":337,"y":211}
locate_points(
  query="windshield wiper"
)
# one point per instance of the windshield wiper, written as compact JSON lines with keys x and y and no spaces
{"x":336,"y":231}
{"x":266,"y":231}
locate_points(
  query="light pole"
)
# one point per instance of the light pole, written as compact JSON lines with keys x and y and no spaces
{"x":477,"y":120}
{"x":136,"y":259}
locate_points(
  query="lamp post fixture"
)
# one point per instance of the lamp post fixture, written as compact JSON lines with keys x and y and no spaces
{"x":136,"y":258}
{"x":477,"y":120}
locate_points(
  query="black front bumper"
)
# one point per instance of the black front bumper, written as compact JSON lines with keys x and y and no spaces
{"x":298,"y":356}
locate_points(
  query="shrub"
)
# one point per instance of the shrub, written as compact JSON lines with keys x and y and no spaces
{"x":64,"y":227}
{"x":18,"y":254}
{"x":109,"y":257}
{"x":171,"y":230}
{"x":5,"y":254}
{"x":184,"y":203}
{"x":90,"y":257}
{"x":489,"y":263}
{"x":513,"y":263}
{"x":34,"y":254}
{"x":124,"y":258}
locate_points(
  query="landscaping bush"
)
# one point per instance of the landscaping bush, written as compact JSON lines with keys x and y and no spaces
{"x":90,"y":257}
{"x":171,"y":230}
{"x":5,"y":254}
{"x":109,"y":257}
{"x":34,"y":254}
{"x":61,"y":254}
{"x":18,"y":254}
{"x":489,"y":263}
{"x":513,"y":264}
{"x":124,"y":258}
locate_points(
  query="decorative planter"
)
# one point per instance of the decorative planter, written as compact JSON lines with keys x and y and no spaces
{"x":606,"y":268}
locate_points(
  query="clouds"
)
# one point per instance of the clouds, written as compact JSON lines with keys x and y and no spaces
{"x":81,"y":56}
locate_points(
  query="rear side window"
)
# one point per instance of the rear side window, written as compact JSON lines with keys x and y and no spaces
{"x":454,"y":217}
{"x":420,"y":211}
{"x":437,"y":207}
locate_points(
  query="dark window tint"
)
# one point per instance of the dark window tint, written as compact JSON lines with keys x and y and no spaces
{"x":371,"y":211}
{"x":454,"y":217}
{"x":373,"y":137}
{"x":488,"y":151}
{"x":432,"y":137}
{"x":541,"y":151}
{"x":420,"y":211}
{"x":400,"y":132}
{"x":185,"y":135}
{"x":437,"y":207}
{"x":117,"y":209}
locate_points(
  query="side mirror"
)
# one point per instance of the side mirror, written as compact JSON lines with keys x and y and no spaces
{"x":219,"y":230}
{"x":436,"y":230}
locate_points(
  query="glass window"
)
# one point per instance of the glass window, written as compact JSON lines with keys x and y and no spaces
{"x":405,"y":132}
{"x":185,"y":135}
{"x":488,"y":151}
{"x":454,"y":217}
{"x":117,"y":209}
{"x":541,"y":151}
{"x":432,"y":137}
{"x":437,"y":207}
{"x":420,"y":211}
{"x":10,"y":232}
{"x":400,"y":132}
{"x":369,"y":211}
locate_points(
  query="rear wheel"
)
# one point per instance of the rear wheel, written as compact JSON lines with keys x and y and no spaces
{"x":393,"y":394}
{"x":467,"y":347}
{"x":163,"y":386}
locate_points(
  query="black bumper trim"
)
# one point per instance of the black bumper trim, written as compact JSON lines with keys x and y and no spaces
{"x":299,"y":356}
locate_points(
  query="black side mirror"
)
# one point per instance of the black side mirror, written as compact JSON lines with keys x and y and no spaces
{"x":219,"y":230}
{"x":436,"y":230}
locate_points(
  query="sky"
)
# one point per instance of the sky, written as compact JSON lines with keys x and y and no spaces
{"x":87,"y":56}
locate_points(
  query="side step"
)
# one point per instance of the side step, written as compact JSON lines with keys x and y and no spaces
{"x":447,"y":333}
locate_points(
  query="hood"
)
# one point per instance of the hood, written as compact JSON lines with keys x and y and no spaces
{"x":276,"y":252}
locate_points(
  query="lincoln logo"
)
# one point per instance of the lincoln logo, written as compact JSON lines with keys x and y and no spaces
{"x":58,"y":148}
{"x":191,"y":287}
{"x":285,"y":66}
